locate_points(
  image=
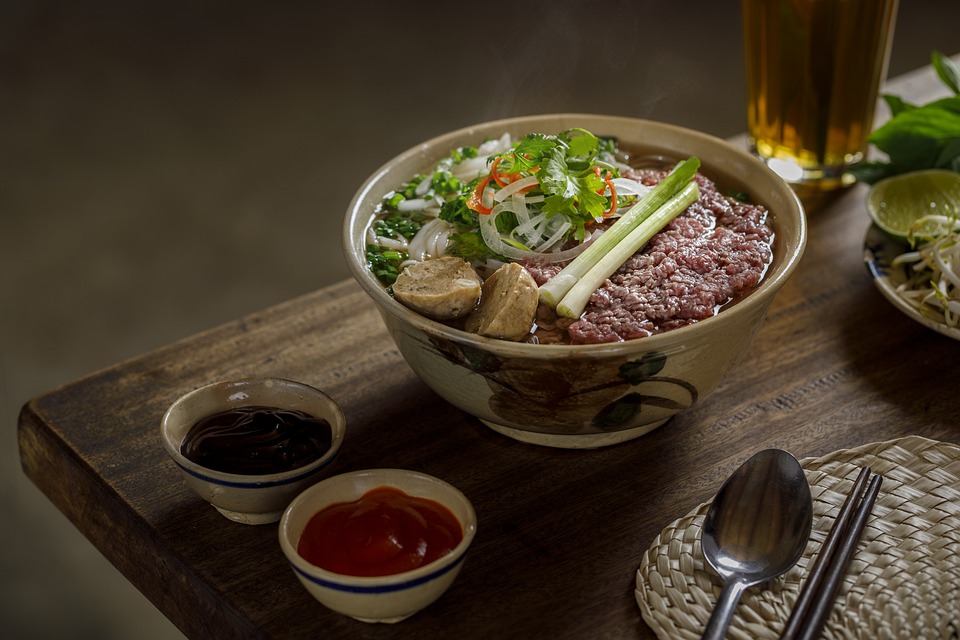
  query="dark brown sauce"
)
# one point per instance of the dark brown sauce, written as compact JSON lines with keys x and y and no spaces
{"x":257,"y":440}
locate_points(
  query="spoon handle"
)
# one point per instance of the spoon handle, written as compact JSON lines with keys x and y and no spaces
{"x":723,"y":611}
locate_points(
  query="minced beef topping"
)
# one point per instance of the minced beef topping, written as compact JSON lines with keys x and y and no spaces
{"x":711,"y":254}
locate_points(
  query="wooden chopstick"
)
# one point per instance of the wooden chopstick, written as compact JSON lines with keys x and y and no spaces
{"x":819,"y":591}
{"x":822,"y":562}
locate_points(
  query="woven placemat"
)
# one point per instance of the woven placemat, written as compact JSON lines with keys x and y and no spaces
{"x":904,"y":581}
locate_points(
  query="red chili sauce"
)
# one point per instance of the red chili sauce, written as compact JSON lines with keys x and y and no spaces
{"x":257,"y":440}
{"x":383,"y":532}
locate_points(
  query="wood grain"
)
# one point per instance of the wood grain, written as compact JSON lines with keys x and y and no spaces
{"x":560,"y":532}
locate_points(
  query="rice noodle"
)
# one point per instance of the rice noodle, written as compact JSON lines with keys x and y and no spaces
{"x":397,"y":244}
{"x":440,"y":241}
{"x":471,"y":168}
{"x":423,"y":187}
{"x":426,"y":241}
{"x":407,"y":263}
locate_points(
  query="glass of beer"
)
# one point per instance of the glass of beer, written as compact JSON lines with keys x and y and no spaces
{"x":813,"y":70}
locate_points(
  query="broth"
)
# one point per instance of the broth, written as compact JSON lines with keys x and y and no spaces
{"x":707,"y":259}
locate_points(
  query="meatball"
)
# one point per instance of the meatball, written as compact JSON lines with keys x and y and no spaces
{"x":508,"y":304}
{"x":444,"y":288}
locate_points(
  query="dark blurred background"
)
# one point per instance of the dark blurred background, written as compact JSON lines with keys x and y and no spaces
{"x":166,"y":167}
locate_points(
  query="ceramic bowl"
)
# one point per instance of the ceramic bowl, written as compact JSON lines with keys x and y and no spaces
{"x":250,"y":499}
{"x":584,"y":396}
{"x":390,"y":598}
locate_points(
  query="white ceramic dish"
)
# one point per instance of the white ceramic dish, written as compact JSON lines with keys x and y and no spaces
{"x":878,"y":252}
{"x":390,"y":598}
{"x":249,"y":499}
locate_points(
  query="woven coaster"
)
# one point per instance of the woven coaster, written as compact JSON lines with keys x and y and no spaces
{"x":904,"y":581}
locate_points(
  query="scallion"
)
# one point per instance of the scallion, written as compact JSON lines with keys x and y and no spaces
{"x":555,"y":289}
{"x":573,"y":303}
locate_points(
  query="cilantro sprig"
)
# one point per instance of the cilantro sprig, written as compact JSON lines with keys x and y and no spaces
{"x":564,"y":166}
{"x":572,"y":170}
{"x":918,"y":136}
{"x":570,"y":174}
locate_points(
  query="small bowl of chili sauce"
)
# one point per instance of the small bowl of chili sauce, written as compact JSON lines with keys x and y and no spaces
{"x":250,"y":446}
{"x":378,"y":545}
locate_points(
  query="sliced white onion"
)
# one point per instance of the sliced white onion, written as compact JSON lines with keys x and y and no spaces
{"x":493,"y":239}
{"x":555,"y":238}
{"x":529,"y":229}
{"x":628,"y":187}
{"x":486,"y":198}
{"x":515,"y":187}
{"x":519,"y":208}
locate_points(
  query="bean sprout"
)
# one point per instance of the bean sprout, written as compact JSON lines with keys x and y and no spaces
{"x":933,"y":274}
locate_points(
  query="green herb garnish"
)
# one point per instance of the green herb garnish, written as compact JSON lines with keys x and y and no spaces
{"x":396,"y":226}
{"x":384,"y":263}
{"x":918,"y":137}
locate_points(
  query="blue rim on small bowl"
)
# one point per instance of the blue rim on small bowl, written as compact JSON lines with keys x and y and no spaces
{"x":389,"y":598}
{"x":382,"y":588}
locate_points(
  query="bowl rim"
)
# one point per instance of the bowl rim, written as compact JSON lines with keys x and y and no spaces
{"x":254,"y":481}
{"x":377,"y":584}
{"x":772,"y":281}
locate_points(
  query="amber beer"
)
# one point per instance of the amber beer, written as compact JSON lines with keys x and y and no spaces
{"x":813,"y":70}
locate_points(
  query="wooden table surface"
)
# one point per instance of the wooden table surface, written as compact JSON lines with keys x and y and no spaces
{"x":561,"y":532}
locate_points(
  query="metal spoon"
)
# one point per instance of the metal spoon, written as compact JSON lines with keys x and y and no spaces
{"x":756,"y":528}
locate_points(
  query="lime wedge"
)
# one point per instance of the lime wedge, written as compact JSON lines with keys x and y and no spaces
{"x":908,"y":205}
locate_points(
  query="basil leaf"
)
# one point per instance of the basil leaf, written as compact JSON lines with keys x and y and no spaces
{"x":948,"y":72}
{"x":897,"y":104}
{"x":917,"y":138}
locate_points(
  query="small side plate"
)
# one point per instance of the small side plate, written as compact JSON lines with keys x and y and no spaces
{"x":878,"y":252}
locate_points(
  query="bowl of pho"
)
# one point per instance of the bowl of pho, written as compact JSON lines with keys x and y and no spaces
{"x":573,"y":280}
